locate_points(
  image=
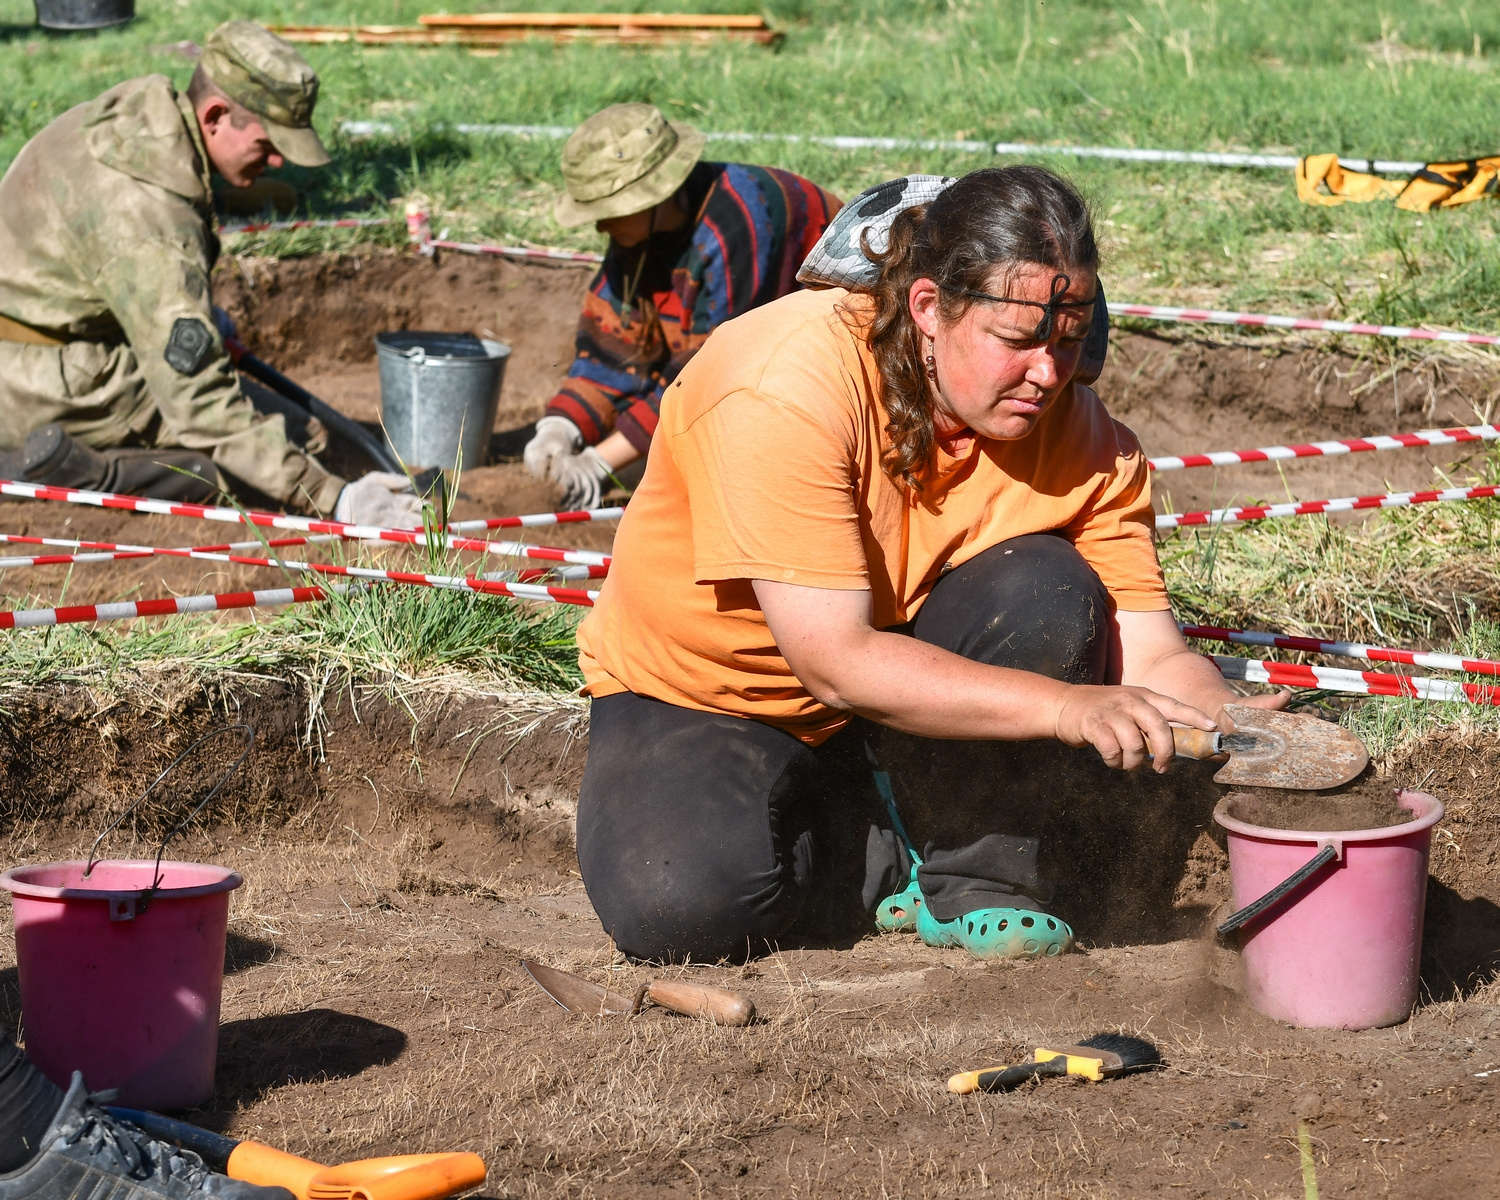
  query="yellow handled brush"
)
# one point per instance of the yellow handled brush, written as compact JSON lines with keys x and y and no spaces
{"x":1103,"y":1056}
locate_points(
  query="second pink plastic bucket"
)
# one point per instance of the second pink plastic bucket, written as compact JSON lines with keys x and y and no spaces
{"x":1343,"y":951}
{"x":128,"y":997}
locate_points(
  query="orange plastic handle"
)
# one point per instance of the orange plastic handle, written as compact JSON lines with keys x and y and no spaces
{"x":254,"y":1162}
{"x":402,"y":1177}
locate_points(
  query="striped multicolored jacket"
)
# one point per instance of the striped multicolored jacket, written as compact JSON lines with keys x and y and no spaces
{"x":754,"y":227}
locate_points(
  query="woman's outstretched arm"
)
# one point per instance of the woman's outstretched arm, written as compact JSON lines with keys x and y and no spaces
{"x":827,"y":638}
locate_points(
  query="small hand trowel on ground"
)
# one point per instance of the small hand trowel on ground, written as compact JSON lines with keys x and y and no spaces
{"x":1277,"y":750}
{"x":718,"y":1005}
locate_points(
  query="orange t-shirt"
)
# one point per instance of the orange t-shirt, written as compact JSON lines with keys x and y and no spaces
{"x":766,"y":465}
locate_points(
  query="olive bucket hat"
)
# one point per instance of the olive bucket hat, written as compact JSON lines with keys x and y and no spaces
{"x":261,"y":73}
{"x":624,"y":160}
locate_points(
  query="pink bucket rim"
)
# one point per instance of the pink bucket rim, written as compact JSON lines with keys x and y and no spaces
{"x":1423,"y":820}
{"x":13,"y":882}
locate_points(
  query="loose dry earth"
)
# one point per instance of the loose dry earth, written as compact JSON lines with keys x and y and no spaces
{"x":403,"y":854}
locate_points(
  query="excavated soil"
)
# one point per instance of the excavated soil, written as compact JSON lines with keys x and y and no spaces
{"x":1312,"y":811}
{"x":402,"y":854}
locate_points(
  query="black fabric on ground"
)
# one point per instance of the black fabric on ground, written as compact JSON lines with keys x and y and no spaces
{"x":707,"y":836}
{"x":28,"y":1102}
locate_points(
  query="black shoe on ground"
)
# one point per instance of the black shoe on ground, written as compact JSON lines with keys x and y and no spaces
{"x":87,"y":1154}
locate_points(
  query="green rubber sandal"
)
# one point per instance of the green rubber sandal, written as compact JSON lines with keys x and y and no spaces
{"x":898,"y":913}
{"x":998,"y":932}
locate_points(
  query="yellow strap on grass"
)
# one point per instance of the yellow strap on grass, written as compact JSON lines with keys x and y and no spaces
{"x":1322,"y":180}
{"x":1342,"y":186}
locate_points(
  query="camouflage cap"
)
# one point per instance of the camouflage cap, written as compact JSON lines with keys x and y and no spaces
{"x":624,"y":160}
{"x":263,"y":74}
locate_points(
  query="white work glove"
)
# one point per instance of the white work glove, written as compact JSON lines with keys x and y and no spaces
{"x":555,"y":437}
{"x":380,"y":498}
{"x":582,"y":477}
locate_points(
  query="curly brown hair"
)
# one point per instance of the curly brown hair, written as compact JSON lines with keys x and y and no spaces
{"x":997,"y":217}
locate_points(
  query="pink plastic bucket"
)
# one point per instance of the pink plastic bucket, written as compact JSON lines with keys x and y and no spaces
{"x":128,"y":997}
{"x":1344,"y":950}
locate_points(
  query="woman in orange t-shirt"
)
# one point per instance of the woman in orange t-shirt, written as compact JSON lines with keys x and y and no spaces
{"x":877,"y":515}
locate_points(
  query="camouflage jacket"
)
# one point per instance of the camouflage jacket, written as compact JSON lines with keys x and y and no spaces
{"x":106,"y":242}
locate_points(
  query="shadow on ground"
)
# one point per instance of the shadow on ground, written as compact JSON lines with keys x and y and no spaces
{"x":10,"y":999}
{"x":241,"y":953}
{"x":263,"y":1053}
{"x":1460,"y":943}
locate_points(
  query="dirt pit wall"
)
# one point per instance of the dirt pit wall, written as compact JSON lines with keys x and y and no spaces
{"x":1181,"y":392}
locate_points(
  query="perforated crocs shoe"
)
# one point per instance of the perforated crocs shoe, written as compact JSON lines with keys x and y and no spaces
{"x":898,"y":913}
{"x":87,"y":1153}
{"x":998,"y":932}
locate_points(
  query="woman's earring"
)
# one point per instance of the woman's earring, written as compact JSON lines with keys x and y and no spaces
{"x":931,"y":366}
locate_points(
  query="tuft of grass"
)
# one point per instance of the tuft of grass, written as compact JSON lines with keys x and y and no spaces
{"x":384,"y":631}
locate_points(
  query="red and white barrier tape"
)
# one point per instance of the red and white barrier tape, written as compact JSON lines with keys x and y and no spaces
{"x":274,"y":597}
{"x":419,"y":230}
{"x":1360,"y":683}
{"x":1393,"y":441}
{"x":284,"y":226}
{"x":535,"y":254}
{"x":374,"y":533}
{"x":1429,"y":659}
{"x":457,"y":583}
{"x":488,"y":586}
{"x":534,"y":519}
{"x":1209,"y":316}
{"x":1262,"y":512}
{"x":535,"y":574}
{"x":170,"y":606}
{"x":111,"y":551}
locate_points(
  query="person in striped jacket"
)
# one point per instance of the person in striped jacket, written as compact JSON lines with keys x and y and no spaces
{"x":691,"y":245}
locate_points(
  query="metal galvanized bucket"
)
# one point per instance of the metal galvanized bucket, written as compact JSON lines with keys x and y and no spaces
{"x":83,"y":14}
{"x":438,"y":395}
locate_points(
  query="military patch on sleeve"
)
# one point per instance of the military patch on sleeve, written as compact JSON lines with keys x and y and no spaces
{"x":190,"y":346}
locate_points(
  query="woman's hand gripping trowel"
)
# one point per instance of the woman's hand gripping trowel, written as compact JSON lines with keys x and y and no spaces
{"x":718,"y":1005}
{"x":1277,"y":750}
{"x":402,"y":1177}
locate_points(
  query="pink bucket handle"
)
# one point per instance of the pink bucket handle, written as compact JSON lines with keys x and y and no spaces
{"x":140,"y":904}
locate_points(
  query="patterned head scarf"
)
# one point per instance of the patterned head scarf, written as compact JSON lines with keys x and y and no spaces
{"x":838,"y":260}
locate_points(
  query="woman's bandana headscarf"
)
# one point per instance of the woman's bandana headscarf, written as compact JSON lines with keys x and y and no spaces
{"x":838,"y":260}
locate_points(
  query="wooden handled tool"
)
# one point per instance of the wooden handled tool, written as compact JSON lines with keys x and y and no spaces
{"x":718,"y":1005}
{"x":1277,"y":749}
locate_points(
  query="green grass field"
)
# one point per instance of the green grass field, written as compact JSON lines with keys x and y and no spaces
{"x":1407,"y":79}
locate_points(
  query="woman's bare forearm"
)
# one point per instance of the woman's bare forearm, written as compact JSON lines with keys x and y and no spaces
{"x":919,"y":688}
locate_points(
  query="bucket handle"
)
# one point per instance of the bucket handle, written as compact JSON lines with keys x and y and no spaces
{"x":1291,"y":883}
{"x":144,"y":900}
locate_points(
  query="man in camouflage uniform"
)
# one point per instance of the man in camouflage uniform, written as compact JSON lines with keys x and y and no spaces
{"x":107,"y":336}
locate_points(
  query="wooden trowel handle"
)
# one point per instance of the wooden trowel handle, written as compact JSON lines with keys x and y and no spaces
{"x":1195,"y":743}
{"x":718,"y":1005}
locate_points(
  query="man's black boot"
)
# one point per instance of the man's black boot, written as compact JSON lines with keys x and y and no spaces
{"x":89,"y":1153}
{"x":53,"y":457}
